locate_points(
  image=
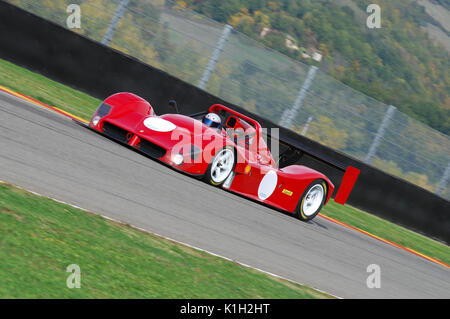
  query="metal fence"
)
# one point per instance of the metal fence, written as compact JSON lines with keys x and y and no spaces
{"x":242,"y":71}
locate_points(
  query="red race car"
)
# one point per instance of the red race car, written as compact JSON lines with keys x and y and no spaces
{"x":223,"y":147}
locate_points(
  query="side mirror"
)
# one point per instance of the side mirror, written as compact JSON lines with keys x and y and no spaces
{"x":173,"y":105}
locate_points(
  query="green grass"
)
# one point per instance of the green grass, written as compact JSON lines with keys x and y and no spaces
{"x":387,"y":230}
{"x":82,"y":105}
{"x":47,"y":91}
{"x":41,"y":237}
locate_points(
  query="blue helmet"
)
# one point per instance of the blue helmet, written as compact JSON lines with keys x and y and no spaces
{"x":212,"y":120}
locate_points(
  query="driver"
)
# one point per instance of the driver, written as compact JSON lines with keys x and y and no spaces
{"x":212,"y":120}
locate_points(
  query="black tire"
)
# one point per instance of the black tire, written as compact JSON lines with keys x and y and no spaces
{"x":208,"y":176}
{"x":299,"y":213}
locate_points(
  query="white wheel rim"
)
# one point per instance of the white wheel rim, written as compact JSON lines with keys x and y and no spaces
{"x":313,"y":200}
{"x":222,"y":165}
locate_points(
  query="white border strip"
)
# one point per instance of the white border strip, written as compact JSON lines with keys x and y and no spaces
{"x":173,"y":240}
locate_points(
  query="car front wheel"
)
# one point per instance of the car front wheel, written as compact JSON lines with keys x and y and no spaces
{"x":221,"y":166}
{"x":312,"y":200}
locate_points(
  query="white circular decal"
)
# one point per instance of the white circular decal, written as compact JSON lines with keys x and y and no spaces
{"x":267,"y":185}
{"x":159,"y":124}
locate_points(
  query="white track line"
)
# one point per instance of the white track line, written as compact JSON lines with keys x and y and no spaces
{"x":174,"y":240}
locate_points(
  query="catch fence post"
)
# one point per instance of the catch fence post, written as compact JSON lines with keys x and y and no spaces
{"x":381,"y":130}
{"x":289,"y":114}
{"x":115,"y":21}
{"x":444,"y":180}
{"x":215,"y":57}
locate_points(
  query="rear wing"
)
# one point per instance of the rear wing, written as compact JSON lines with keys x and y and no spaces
{"x":295,"y":151}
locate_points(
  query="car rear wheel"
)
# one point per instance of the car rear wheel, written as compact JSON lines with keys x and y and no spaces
{"x":221,"y":166}
{"x":312,"y":200}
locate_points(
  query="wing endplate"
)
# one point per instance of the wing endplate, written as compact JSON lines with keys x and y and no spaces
{"x":348,"y":181}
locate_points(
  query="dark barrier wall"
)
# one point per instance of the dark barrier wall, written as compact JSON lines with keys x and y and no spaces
{"x":74,"y":60}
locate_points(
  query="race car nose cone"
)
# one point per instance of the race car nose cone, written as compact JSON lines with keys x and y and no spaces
{"x":159,"y":124}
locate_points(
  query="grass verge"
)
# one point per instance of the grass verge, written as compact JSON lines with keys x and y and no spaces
{"x":387,"y":230}
{"x":47,"y":91}
{"x":41,"y":237}
{"x":83,"y":105}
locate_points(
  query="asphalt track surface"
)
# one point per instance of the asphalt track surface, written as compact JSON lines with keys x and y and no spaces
{"x":47,"y":153}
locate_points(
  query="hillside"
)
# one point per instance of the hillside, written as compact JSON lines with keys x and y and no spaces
{"x":401,"y":64}
{"x":398,"y":64}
